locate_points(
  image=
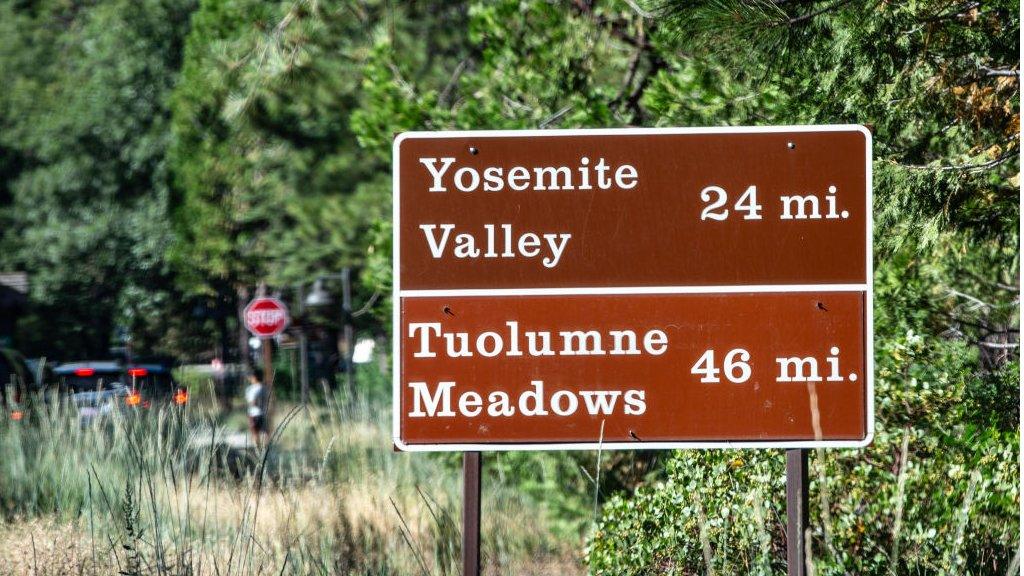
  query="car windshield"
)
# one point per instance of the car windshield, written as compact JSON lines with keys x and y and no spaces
{"x":94,"y":383}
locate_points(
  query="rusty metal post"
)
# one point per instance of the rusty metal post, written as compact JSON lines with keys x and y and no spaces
{"x":349,"y":334}
{"x":797,"y":497}
{"x":471,"y":468}
{"x":267,"y":350}
{"x":303,"y":345}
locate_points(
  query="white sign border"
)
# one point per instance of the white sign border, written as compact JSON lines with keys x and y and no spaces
{"x":867,"y":288}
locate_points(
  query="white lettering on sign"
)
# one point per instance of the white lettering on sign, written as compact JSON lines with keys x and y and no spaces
{"x":442,"y":400}
{"x":264,"y":317}
{"x":495,"y":241}
{"x":498,"y":240}
{"x":805,"y":369}
{"x":437,"y":402}
{"x":794,"y":206}
{"x":501,"y":241}
{"x":513,"y":341}
{"x":520,"y":178}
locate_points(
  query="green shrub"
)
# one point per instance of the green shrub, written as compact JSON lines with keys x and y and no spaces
{"x":937,"y":492}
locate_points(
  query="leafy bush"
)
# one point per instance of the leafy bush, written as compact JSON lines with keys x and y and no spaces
{"x":936,"y":492}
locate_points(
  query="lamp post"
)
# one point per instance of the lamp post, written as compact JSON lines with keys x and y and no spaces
{"x":303,"y":351}
{"x":350,"y":339}
{"x":319,"y":297}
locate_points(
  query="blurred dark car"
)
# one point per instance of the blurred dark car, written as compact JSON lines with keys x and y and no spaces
{"x":154,"y":386}
{"x":98,"y":388}
{"x":16,"y":383}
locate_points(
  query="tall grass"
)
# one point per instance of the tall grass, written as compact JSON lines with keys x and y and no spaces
{"x":163,"y":493}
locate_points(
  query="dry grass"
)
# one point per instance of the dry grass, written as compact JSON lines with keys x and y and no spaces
{"x":357,"y":521}
{"x":333,"y":499}
{"x":43,"y":547}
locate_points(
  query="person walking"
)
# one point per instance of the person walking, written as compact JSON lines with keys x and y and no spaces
{"x":256,"y":406}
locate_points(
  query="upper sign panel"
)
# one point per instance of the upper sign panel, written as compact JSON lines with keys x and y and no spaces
{"x":633,"y":208}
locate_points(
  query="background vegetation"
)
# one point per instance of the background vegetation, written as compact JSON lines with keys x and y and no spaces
{"x":161,"y":158}
{"x":176,"y":493}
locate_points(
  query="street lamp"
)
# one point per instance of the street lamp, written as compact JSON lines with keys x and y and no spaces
{"x":319,"y":297}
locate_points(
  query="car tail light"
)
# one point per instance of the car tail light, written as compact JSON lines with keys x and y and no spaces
{"x":134,"y":398}
{"x":137,"y":372}
{"x":181,"y":397}
{"x":84,"y":372}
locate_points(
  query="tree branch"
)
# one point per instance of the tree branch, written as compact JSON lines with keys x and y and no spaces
{"x":452,"y":82}
{"x":1010,"y":154}
{"x":999,"y":72}
{"x":633,"y":102}
{"x":634,"y":67}
{"x":636,"y":8}
{"x":810,"y":16}
{"x":554,"y":117}
{"x":366,"y":307}
{"x":978,"y":301}
{"x":999,"y":345}
{"x":619,"y":28}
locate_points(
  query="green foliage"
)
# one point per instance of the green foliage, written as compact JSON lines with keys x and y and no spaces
{"x":510,"y":76}
{"x":519,"y":65}
{"x":732,"y":500}
{"x":85,"y":130}
{"x":276,"y":185}
{"x":159,"y":154}
{"x":938,"y":490}
{"x":938,"y":388}
{"x":918,"y":73}
{"x":955,"y":512}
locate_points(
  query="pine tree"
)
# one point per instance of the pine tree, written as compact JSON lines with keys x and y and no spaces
{"x":84,"y":131}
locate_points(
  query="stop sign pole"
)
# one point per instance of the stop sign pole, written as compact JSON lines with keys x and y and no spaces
{"x":266,"y":318}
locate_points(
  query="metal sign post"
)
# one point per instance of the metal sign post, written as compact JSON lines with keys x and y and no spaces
{"x":471,"y":468}
{"x":267,"y":351}
{"x":797,"y":492}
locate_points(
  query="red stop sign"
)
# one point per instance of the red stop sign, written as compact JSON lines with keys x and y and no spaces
{"x":266,"y":317}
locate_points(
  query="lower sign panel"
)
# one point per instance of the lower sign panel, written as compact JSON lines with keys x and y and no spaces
{"x":583,"y":370}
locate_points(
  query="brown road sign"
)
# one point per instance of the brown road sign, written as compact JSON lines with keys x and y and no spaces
{"x":653,"y":367}
{"x":633,"y":288}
